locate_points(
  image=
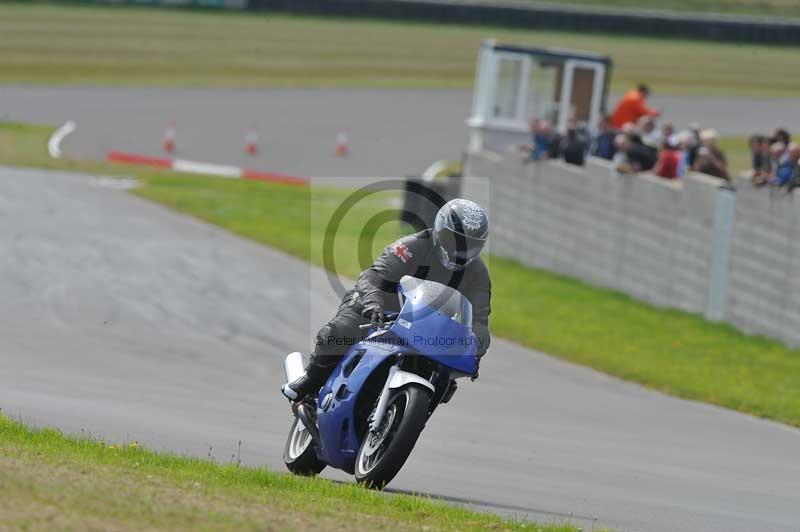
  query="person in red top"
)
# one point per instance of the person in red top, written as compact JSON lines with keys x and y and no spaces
{"x":632,"y":107}
{"x":669,"y":160}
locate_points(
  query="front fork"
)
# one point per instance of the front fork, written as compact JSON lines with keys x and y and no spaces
{"x":397,"y":378}
{"x":383,"y":400}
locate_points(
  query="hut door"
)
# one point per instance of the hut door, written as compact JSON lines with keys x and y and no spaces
{"x":581,"y":92}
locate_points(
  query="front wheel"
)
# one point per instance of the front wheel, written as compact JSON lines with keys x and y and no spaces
{"x":384,"y":451}
{"x":299,"y":454}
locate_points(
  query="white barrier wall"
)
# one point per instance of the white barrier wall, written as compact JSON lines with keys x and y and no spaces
{"x":691,"y":244}
{"x":764,"y":288}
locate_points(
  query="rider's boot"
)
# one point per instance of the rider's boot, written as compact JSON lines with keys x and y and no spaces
{"x":308,"y":383}
{"x":451,"y":390}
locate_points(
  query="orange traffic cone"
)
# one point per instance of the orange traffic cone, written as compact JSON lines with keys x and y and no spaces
{"x":251,"y":141}
{"x":169,"y":138}
{"x":342,"y":148}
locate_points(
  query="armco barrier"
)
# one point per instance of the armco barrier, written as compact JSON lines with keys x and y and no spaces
{"x":694,"y":245}
{"x":542,"y":16}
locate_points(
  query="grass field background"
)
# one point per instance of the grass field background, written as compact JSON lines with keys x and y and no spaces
{"x":49,"y":481}
{"x":672,"y":351}
{"x":737,"y":153}
{"x":139,"y":46}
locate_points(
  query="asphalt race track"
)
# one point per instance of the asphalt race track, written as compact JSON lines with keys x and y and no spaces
{"x":129,"y":321}
{"x":393,"y":132}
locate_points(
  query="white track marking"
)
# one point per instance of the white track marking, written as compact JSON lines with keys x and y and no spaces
{"x":54,"y":144}
{"x":180,"y":165}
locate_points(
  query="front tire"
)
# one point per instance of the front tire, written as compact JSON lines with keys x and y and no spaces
{"x":299,"y":454}
{"x":383,"y":452}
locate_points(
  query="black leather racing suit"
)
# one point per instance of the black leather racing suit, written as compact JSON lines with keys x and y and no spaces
{"x":414,"y":255}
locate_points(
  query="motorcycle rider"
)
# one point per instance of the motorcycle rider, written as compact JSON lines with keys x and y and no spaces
{"x":448,"y":254}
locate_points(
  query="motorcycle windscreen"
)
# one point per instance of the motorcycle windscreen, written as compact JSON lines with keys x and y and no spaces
{"x":436,"y":321}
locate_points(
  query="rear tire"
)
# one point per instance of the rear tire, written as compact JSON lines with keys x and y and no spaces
{"x":383,"y":453}
{"x":299,"y":454}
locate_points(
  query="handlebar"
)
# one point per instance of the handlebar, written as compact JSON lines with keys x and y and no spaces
{"x":386,"y":325}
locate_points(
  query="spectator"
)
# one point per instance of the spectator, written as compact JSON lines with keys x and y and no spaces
{"x":686,"y":143}
{"x":542,"y":139}
{"x":644,"y":157}
{"x":632,"y":107}
{"x":795,"y":156}
{"x":710,"y":159}
{"x":650,"y":139}
{"x":583,"y":132}
{"x":604,"y":141}
{"x":574,"y":145}
{"x":759,"y":150}
{"x":667,"y":131}
{"x":631,"y":155}
{"x":669,"y":160}
{"x":777,"y":151}
{"x":787,"y":166}
{"x":555,"y":146}
{"x":622,"y":165}
{"x":782,"y":136}
{"x":694,"y":129}
{"x":651,"y":135}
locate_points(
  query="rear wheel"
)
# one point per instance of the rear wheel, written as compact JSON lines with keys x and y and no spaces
{"x":384,"y":451}
{"x":299,"y":454}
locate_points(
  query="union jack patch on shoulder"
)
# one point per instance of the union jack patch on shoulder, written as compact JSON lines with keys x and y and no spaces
{"x":401,"y":251}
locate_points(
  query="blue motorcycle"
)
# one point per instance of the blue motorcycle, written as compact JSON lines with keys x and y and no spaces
{"x":370,"y":412}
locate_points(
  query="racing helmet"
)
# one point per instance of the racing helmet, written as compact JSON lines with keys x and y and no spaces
{"x":460,"y":231}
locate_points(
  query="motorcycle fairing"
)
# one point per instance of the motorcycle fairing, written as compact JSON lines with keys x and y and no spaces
{"x":339,"y":441}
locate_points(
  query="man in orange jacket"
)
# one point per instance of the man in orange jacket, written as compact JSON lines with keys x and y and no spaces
{"x":632,"y":107}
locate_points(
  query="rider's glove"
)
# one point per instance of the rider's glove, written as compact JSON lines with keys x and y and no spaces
{"x":374,"y":311}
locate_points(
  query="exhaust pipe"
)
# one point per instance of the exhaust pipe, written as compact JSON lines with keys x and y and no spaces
{"x":293,"y":366}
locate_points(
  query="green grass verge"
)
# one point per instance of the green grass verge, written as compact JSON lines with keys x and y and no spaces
{"x":50,"y":481}
{"x":672,"y":351}
{"x":737,"y":151}
{"x":129,"y":46}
